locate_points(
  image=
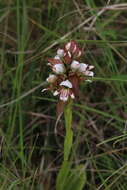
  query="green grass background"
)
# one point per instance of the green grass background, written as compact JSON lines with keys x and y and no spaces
{"x":31,"y":151}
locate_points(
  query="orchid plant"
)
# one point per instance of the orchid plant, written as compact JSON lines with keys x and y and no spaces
{"x":67,"y":73}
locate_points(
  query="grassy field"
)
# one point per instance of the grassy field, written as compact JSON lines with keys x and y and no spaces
{"x":31,"y":149}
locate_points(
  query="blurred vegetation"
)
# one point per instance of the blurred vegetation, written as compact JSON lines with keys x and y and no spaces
{"x":30,"y":149}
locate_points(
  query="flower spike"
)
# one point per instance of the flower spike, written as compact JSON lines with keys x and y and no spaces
{"x":68,"y":72}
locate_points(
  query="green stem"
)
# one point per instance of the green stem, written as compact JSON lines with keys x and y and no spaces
{"x":69,"y":133}
{"x":65,"y":167}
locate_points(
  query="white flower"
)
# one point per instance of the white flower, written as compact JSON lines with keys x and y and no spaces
{"x":59,"y":68}
{"x":75,"y":65}
{"x":65,"y":94}
{"x":66,"y":83}
{"x":60,"y":52}
{"x":83,"y":67}
{"x":52,"y":78}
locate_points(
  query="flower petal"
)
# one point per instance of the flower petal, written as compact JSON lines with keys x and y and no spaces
{"x":66,"y":83}
{"x":64,"y":95}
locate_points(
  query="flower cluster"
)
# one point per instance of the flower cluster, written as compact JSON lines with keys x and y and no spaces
{"x":68,"y":72}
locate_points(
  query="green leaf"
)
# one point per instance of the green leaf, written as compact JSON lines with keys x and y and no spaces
{"x":72,"y":179}
{"x":63,"y":175}
{"x":118,"y":78}
{"x":77,"y":179}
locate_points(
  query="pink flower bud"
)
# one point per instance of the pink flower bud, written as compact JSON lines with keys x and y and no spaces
{"x":71,"y":46}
